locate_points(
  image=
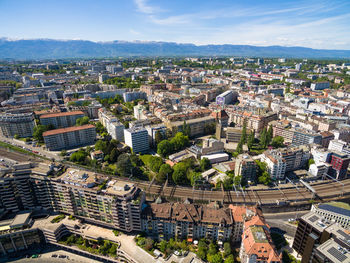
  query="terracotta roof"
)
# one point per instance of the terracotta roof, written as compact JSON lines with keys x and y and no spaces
{"x":61,"y":114}
{"x":69,"y":129}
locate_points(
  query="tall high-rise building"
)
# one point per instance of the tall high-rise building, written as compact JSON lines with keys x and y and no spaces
{"x":137,"y":139}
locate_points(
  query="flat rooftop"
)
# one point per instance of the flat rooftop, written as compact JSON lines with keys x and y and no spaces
{"x":69,"y":129}
{"x":119,"y":187}
{"x":61,"y":114}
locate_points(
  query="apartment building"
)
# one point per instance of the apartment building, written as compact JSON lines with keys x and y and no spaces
{"x":255,"y":121}
{"x":70,"y":137}
{"x":320,"y":86}
{"x":226,"y":98}
{"x":134,"y":95}
{"x":295,"y":157}
{"x":17,"y":124}
{"x":137,"y":139}
{"x":338,"y":212}
{"x":113,"y":126}
{"x":197,"y":126}
{"x":257,"y":244}
{"x":320,"y":240}
{"x":246,"y":167}
{"x":340,"y":163}
{"x":75,"y":192}
{"x":152,"y":130}
{"x":61,"y":119}
{"x":276,"y":164}
{"x":187,"y":221}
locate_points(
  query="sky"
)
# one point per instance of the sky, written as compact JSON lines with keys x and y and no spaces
{"x":321,"y":24}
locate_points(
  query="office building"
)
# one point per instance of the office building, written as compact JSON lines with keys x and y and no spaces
{"x":320,"y":240}
{"x":113,"y":126}
{"x":61,"y":119}
{"x":340,"y":163}
{"x":70,"y":137}
{"x":114,"y":69}
{"x":246,"y":167}
{"x":17,"y":124}
{"x":295,"y":157}
{"x":320,"y":86}
{"x":137,"y":139}
{"x":338,"y":212}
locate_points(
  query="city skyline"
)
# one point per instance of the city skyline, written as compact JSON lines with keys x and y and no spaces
{"x":315,"y":24}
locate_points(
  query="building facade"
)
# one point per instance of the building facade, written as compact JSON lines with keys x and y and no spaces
{"x":61,"y":119}
{"x":66,"y":138}
{"x":137,"y":139}
{"x":17,"y":124}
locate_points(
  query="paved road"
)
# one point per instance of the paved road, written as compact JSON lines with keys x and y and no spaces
{"x":40,"y":150}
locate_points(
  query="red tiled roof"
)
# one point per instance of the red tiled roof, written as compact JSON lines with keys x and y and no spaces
{"x":69,"y":129}
{"x":60,"y":114}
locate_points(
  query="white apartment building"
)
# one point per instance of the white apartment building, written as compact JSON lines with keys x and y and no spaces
{"x":276,"y":164}
{"x":112,"y":124}
{"x":137,"y":139}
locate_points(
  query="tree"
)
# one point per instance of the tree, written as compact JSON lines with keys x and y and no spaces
{"x":180,"y":172}
{"x":164,"y":148}
{"x":251,"y":139}
{"x":186,"y":129}
{"x":212,"y":248}
{"x":82,"y":121}
{"x":63,"y":153}
{"x":277,"y":142}
{"x":263,"y":138}
{"x":79,"y":156}
{"x":162,"y":246}
{"x":158,"y":137}
{"x":239,"y":148}
{"x":16,"y":136}
{"x":39,"y":130}
{"x":202,"y":253}
{"x":244,"y":132}
{"x":179,"y":141}
{"x":216,"y":258}
{"x":230,"y":259}
{"x":205,"y":164}
{"x":269,"y":135}
{"x":164,"y":171}
{"x":149,"y":244}
{"x":311,"y":161}
{"x":113,"y":155}
{"x":124,"y":165}
{"x":264,"y":178}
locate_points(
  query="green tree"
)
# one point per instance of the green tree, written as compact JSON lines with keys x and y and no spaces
{"x":230,"y":259}
{"x":113,"y":157}
{"x":186,"y":129}
{"x":251,"y":139}
{"x":263,"y":138}
{"x":269,"y":135}
{"x":102,"y":146}
{"x":264,"y":178}
{"x":180,"y":172}
{"x":158,"y":137}
{"x":163,"y":246}
{"x":16,"y":136}
{"x":311,"y":161}
{"x":244,"y":132}
{"x":216,"y":258}
{"x":205,"y":164}
{"x":239,"y":148}
{"x":124,"y":165}
{"x":164,"y":148}
{"x":82,"y":121}
{"x":164,"y":171}
{"x":39,"y":130}
{"x":277,"y":142}
{"x":180,"y":141}
{"x":63,"y":153}
{"x":79,"y":156}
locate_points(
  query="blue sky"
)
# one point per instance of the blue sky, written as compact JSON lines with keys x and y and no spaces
{"x":316,"y":24}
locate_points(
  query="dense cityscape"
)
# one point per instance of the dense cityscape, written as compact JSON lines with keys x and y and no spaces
{"x":150,"y":131}
{"x":178,"y":157}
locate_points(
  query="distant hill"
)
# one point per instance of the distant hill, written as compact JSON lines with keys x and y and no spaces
{"x":48,"y":48}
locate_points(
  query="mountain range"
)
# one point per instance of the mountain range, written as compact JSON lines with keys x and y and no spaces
{"x":58,"y":49}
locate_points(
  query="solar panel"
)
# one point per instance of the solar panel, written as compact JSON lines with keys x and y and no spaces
{"x":337,"y":254}
{"x":345,"y":235}
{"x":313,"y":218}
